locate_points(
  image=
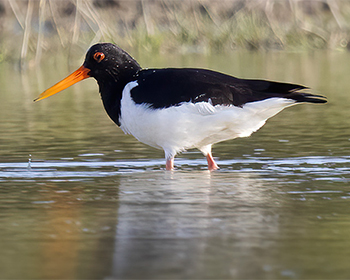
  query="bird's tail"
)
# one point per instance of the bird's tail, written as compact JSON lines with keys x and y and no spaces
{"x":299,"y":96}
{"x":299,"y":93}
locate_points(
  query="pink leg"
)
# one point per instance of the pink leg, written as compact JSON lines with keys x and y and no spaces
{"x":169,"y":164}
{"x":211,"y":163}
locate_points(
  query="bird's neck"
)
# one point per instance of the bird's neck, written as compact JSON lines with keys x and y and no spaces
{"x":112,"y":93}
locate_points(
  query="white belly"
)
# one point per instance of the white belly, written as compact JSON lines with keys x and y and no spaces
{"x":194,"y":125}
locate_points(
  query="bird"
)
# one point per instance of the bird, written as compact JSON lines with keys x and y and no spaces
{"x":176,"y":109}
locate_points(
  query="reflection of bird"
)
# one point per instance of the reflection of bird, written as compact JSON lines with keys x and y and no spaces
{"x":179,"y":109}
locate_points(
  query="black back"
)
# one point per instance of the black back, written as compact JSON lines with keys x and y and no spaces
{"x":162,"y":88}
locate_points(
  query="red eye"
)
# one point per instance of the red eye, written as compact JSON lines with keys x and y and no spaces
{"x":99,"y":56}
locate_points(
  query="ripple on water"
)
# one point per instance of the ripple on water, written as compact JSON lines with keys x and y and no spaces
{"x":317,"y":168}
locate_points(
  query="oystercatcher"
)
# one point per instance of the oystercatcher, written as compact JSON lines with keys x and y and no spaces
{"x":178,"y":109}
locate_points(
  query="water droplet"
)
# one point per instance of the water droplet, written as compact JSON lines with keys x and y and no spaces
{"x":29,"y":167}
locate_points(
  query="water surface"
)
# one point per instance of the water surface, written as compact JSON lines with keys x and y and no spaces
{"x":79,"y":199}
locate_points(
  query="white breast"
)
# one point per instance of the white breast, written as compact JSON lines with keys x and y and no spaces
{"x":194,"y":125}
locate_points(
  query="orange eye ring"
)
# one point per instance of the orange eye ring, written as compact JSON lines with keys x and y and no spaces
{"x":99,"y":56}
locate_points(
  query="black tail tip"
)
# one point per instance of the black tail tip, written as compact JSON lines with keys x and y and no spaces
{"x":316,"y":99}
{"x":312,"y":98}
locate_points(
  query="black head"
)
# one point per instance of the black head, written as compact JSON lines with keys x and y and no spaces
{"x":107,"y":63}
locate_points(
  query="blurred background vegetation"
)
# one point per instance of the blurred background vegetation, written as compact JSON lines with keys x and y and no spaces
{"x":31,"y":30}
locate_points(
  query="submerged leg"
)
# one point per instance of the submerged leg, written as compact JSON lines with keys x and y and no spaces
{"x":169,"y":157}
{"x":169,"y":164}
{"x":206,"y":150}
{"x":211,"y":163}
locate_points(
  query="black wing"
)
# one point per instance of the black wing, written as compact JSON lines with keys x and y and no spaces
{"x":162,"y":88}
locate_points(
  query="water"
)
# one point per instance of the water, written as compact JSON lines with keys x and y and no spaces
{"x":79,"y":199}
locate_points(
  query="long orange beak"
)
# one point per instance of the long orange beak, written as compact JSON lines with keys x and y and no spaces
{"x":78,"y":75}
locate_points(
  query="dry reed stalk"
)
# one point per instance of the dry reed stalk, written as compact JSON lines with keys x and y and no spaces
{"x":27,"y":27}
{"x":39,"y":45}
{"x":55,"y":21}
{"x":16,"y":11}
{"x":76,"y":28}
